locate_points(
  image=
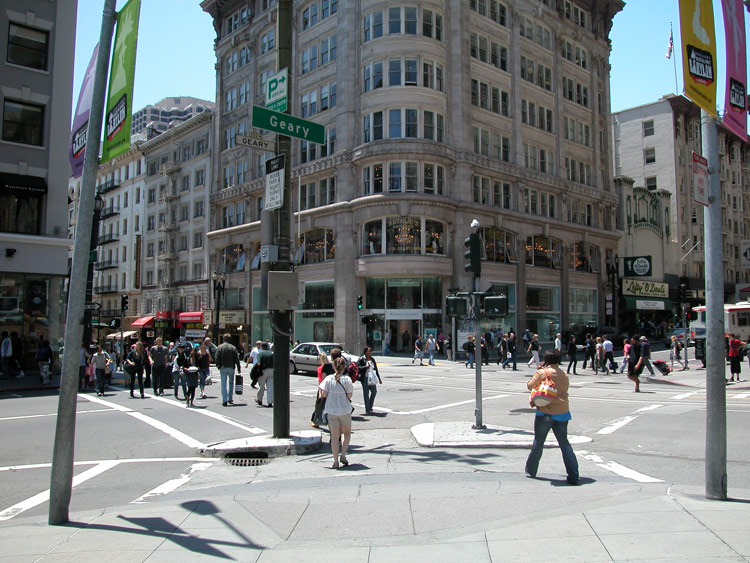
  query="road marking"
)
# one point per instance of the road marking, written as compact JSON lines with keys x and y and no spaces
{"x":618,"y":469}
{"x":212,"y":414}
{"x":38,"y":499}
{"x":741,"y":396}
{"x":189,"y":441}
{"x":50,"y":414}
{"x":685,"y":395}
{"x":620,"y":422}
{"x":448,"y":406}
{"x":96,"y":462}
{"x":172,"y":484}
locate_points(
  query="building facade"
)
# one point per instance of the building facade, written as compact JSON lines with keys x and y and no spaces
{"x":165,"y":114}
{"x":435,"y":114}
{"x":36,"y":77}
{"x":653,"y":147}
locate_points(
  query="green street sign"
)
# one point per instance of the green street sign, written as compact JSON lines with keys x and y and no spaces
{"x":287,"y":125}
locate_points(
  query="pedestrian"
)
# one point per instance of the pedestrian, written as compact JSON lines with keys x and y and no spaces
{"x":747,"y":352}
{"x":387,"y":343}
{"x":590,"y":352}
{"x":431,"y":347}
{"x":203,"y":363}
{"x":558,"y":343}
{"x":265,"y":359}
{"x":484,"y":350}
{"x":418,"y":350}
{"x":609,"y":353}
{"x":511,"y":351}
{"x":370,"y":377}
{"x":534,"y":349}
{"x":625,"y":354}
{"x":6,"y":353}
{"x":735,"y":367}
{"x":405,"y":339}
{"x":601,"y":362}
{"x":441,"y":343}
{"x":137,"y":360}
{"x":555,"y":416}
{"x":675,"y":346}
{"x":635,"y":363}
{"x":100,"y":360}
{"x":337,"y":390}
{"x":251,"y":359}
{"x":470,"y":348}
{"x":181,"y":360}
{"x":83,"y":362}
{"x":192,"y":376}
{"x":227,"y":358}
{"x":44,"y":358}
{"x":572,"y":354}
{"x":502,"y":350}
{"x":526,"y":337}
{"x":158,"y":354}
{"x":146,"y":364}
{"x":646,"y":354}
{"x":317,"y":416}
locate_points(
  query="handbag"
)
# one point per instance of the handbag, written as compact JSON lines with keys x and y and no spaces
{"x":238,"y":379}
{"x":544,"y":393}
{"x":319,"y":417}
{"x":128,"y":368}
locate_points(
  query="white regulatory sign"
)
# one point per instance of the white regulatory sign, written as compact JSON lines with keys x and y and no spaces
{"x":274,"y":183}
{"x":700,"y":177}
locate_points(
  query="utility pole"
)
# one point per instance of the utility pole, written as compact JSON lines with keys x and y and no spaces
{"x":716,"y":399}
{"x":61,"y":480}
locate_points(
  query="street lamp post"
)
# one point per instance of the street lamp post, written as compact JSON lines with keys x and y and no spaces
{"x":87,"y":312}
{"x":613,"y":270}
{"x":220,"y":282}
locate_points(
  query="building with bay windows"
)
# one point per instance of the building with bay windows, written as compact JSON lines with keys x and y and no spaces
{"x":36,"y":85}
{"x":436,"y":113}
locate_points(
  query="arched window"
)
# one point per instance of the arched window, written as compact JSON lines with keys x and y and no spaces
{"x":542,"y":251}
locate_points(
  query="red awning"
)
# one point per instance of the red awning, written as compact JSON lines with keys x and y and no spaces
{"x":143,"y":322}
{"x":191,"y":317}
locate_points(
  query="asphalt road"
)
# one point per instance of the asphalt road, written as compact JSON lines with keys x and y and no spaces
{"x":133,"y":450}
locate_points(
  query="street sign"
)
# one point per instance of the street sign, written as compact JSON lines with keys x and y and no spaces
{"x":700,"y":177}
{"x":93,"y":306}
{"x":276,"y":90}
{"x":255,"y":143}
{"x":274,"y":183}
{"x":288,"y":125}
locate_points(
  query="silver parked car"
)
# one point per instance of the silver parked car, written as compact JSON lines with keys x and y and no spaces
{"x":304,"y":357}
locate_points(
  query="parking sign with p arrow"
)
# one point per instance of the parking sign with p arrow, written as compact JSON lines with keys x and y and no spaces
{"x":276,"y":90}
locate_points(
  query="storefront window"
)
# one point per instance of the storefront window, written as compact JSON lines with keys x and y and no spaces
{"x":499,"y":245}
{"x":404,"y":293}
{"x":433,"y":293}
{"x":314,"y":326}
{"x":543,"y":252}
{"x":543,"y":311}
{"x":375,"y":293}
{"x":404,"y":235}
{"x":319,"y":295}
{"x":585,"y":258}
{"x":434,"y":237}
{"x":582,"y":306}
{"x":318,"y":245}
{"x":373,"y":238}
{"x":20,"y":214}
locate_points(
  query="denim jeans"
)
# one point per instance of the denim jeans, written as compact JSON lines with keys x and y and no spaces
{"x":227,"y":383}
{"x":470,"y":361}
{"x":204,"y":373}
{"x":431,"y":353}
{"x":177,"y":379}
{"x":100,"y":379}
{"x":511,"y":359}
{"x":542,"y":426}
{"x":368,"y":393}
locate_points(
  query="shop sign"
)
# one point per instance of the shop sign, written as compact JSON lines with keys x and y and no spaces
{"x":637,"y":266}
{"x":162,"y":315}
{"x":232,"y":317}
{"x":404,"y":315}
{"x":195,"y":333}
{"x":643,"y":305}
{"x":640,"y":288}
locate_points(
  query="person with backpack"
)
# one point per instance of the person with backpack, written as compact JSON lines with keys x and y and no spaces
{"x":554,"y":416}
{"x":674,"y":353}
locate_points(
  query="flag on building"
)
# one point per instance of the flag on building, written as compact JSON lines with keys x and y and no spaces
{"x":671,"y":43}
{"x":735,"y":99}
{"x":121,"y":74}
{"x":699,"y":52}
{"x":81,"y":118}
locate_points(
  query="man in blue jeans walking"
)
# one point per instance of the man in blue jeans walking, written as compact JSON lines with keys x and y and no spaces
{"x":227,"y":358}
{"x":471,"y":349}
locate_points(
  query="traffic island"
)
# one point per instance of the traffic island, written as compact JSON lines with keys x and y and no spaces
{"x":264,"y":447}
{"x":462,"y":435}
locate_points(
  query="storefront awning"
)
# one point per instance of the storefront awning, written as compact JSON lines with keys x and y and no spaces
{"x":126,"y":334}
{"x":191,"y":317}
{"x":143,"y":322}
{"x":648,"y":303}
{"x":19,"y":184}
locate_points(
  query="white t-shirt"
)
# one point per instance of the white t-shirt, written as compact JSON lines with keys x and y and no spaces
{"x":608,"y":346}
{"x":337,"y":403}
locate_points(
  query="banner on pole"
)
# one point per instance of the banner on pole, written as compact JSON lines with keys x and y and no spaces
{"x":699,"y":52}
{"x":735,"y":100}
{"x":80,"y":126}
{"x":121,"y":74}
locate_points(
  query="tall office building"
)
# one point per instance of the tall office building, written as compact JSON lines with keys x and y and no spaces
{"x":435,"y":114}
{"x":36,"y":85}
{"x":157,"y":118}
{"x":653,"y":149}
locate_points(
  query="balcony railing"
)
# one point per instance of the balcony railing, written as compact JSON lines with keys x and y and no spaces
{"x":110,"y":211}
{"x":106,"y":265}
{"x":167,"y":227}
{"x":105,"y":289}
{"x":109,"y":186}
{"x":109,"y":312}
{"x":108,"y":238}
{"x":166,"y":256}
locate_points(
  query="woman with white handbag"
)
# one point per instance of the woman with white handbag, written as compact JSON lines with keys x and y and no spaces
{"x":369,"y":377}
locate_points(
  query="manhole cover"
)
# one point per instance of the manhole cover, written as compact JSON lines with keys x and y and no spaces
{"x":410,"y":389}
{"x":247,"y":459}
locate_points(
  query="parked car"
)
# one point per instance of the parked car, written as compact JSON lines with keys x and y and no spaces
{"x":304,"y":357}
{"x":614,"y":334}
{"x":680,"y":334}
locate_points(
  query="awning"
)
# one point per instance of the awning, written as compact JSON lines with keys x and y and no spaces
{"x":191,"y":317}
{"x":143,"y":322}
{"x":647,"y":303}
{"x":19,"y":184}
{"x":126,"y":334}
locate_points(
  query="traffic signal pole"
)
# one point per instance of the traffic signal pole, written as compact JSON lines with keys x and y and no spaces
{"x":474,"y":265}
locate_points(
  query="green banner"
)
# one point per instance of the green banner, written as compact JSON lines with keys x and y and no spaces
{"x":121,"y":74}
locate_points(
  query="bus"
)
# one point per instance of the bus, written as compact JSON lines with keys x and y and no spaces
{"x":736,"y":321}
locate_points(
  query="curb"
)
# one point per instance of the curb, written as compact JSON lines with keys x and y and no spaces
{"x":462,"y":435}
{"x":299,"y":442}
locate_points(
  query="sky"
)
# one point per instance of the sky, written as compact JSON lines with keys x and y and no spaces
{"x":175,"y":55}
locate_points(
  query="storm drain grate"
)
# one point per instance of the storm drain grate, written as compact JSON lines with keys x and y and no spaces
{"x":247,"y":459}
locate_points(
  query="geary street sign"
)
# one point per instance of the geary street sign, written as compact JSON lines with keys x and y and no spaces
{"x":255,"y":143}
{"x":287,"y":125}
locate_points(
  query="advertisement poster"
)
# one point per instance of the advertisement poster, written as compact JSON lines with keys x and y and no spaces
{"x":699,"y":52}
{"x":735,"y":100}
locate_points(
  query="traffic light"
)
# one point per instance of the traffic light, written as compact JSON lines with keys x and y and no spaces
{"x":114,"y":323}
{"x":683,"y":292}
{"x":455,"y":306}
{"x":473,"y":254}
{"x":123,"y":303}
{"x":496,"y":306}
{"x":359,"y":303}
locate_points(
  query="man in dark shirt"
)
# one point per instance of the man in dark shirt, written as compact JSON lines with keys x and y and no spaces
{"x":158,"y":354}
{"x":227,"y":358}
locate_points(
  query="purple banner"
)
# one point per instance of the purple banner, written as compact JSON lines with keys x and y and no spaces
{"x":81,"y":118}
{"x":735,"y":101}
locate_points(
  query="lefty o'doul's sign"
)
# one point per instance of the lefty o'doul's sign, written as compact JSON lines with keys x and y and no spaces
{"x":640,"y":288}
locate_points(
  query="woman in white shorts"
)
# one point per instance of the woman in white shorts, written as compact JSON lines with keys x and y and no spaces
{"x":337,"y":390}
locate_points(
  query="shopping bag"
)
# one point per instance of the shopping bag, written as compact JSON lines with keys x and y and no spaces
{"x":238,"y":384}
{"x":544,"y":393}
